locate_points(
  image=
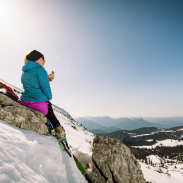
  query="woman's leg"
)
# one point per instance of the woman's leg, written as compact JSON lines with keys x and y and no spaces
{"x":51,"y":116}
{"x":56,"y":124}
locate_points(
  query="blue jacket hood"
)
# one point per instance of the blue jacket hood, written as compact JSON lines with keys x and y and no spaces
{"x":29,"y":65}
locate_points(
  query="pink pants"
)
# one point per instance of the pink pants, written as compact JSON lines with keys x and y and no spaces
{"x":38,"y":106}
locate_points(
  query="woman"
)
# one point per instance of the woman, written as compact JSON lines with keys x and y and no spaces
{"x":37,"y":91}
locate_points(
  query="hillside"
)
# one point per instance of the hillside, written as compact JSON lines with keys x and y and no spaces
{"x":145,"y":134}
{"x":145,"y":130}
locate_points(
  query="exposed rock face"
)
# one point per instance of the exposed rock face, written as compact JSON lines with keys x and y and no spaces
{"x":22,"y":117}
{"x":113,"y":163}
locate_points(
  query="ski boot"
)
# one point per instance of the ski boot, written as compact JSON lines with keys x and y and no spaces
{"x":60,"y":132}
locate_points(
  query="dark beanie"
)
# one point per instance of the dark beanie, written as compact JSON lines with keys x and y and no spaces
{"x":34,"y":55}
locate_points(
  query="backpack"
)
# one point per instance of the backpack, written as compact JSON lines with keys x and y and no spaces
{"x":10,"y":93}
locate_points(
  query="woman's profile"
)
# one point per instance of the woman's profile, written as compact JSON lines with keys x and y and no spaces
{"x":37,"y":90}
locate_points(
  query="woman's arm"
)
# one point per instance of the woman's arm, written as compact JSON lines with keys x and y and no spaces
{"x":44,"y":83}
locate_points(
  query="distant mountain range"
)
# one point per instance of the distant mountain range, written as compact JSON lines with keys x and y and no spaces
{"x":107,"y":124}
{"x":171,"y":121}
{"x":160,"y":119}
{"x":150,"y":133}
{"x":88,"y":123}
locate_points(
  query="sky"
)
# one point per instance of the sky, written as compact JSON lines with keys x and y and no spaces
{"x":114,"y":58}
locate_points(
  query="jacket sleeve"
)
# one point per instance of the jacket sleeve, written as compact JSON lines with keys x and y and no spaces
{"x":44,"y":83}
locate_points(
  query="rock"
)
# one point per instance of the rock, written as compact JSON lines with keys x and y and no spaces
{"x":22,"y":117}
{"x":112,"y":162}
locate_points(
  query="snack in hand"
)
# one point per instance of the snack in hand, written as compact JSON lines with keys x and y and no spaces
{"x":52,"y":75}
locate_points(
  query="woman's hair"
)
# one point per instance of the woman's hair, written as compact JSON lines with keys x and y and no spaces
{"x":26,"y":59}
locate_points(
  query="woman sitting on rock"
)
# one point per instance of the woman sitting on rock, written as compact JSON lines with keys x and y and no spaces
{"x":37,"y":91}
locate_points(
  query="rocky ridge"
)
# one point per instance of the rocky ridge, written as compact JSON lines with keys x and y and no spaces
{"x":112,"y":162}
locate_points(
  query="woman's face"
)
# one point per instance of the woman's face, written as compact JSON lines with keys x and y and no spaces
{"x":41,"y":62}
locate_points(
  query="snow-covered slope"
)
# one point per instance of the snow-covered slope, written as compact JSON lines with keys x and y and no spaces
{"x":78,"y":138}
{"x":26,"y":156}
{"x":151,"y":174}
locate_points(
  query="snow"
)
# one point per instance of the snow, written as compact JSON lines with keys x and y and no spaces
{"x":154,"y":159}
{"x":151,"y":172}
{"x":26,"y":156}
{"x":79,"y":139}
{"x":149,"y":140}
{"x":144,"y":134}
{"x":152,"y":176}
{"x":180,"y":129}
{"x":166,"y":142}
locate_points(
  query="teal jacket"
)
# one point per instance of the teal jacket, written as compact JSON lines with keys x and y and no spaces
{"x":35,"y":83}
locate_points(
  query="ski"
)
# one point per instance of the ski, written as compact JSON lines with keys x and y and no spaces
{"x":65,"y":147}
{"x":80,"y":166}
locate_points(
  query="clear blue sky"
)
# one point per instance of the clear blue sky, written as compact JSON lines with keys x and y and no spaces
{"x":111,"y":57}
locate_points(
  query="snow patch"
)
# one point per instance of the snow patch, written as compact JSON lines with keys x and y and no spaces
{"x":180,"y":129}
{"x":152,"y":176}
{"x":149,"y":140}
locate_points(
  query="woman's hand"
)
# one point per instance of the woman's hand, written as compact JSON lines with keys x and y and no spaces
{"x":49,"y":78}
